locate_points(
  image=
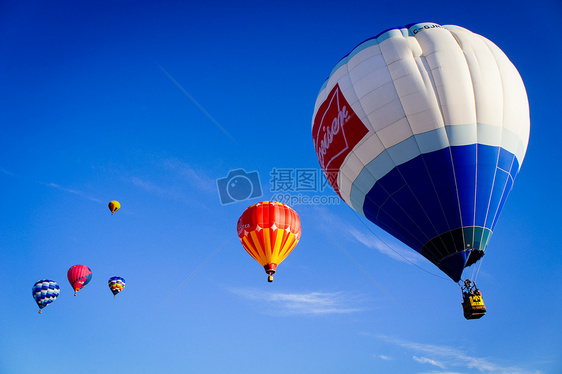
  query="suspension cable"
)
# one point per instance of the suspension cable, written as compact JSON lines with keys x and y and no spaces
{"x":393,"y":250}
{"x":364,"y":271}
{"x":194,"y":272}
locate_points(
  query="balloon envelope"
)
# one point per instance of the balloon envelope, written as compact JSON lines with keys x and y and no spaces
{"x":423,"y":130}
{"x":116,"y":284}
{"x":79,"y":276}
{"x":45,"y":292}
{"x":269,"y":231}
{"x":114,"y":206}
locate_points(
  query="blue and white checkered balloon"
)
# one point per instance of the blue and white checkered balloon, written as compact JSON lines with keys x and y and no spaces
{"x":45,"y":292}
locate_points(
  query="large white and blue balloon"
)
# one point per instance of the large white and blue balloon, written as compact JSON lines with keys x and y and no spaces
{"x":423,"y":130}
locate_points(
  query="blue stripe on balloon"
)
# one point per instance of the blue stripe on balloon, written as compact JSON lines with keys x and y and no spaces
{"x":464,"y":164}
{"x":508,"y":180}
{"x":461,"y":134}
{"x":432,"y":140}
{"x":404,"y":151}
{"x":88,"y":278}
{"x":442,"y":190}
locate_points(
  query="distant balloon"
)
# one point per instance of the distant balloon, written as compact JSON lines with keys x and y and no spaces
{"x":45,"y":292}
{"x":423,"y":130}
{"x":79,"y":276}
{"x":116,"y":285}
{"x":114,"y":206}
{"x":269,"y":231}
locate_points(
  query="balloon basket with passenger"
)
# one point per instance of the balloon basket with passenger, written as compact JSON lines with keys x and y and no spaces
{"x":472,"y":303}
{"x":270,"y":270}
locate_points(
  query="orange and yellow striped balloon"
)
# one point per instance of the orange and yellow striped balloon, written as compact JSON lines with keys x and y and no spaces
{"x":269,"y":231}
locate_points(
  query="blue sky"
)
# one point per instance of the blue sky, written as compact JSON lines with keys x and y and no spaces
{"x":149,"y":103}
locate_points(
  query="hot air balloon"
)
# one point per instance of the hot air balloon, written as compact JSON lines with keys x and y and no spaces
{"x":45,"y":292}
{"x":269,"y":231}
{"x":423,"y":130}
{"x":116,"y":285}
{"x":79,"y":276}
{"x":114,"y":206}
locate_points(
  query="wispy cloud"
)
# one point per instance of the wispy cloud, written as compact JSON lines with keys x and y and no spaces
{"x":370,"y":240}
{"x":386,"y":358}
{"x":176,"y":180}
{"x":445,"y":357}
{"x":152,"y":187}
{"x":196,"y":178}
{"x":425,"y":360}
{"x":72,"y":191}
{"x":6,"y":172}
{"x":312,"y":303}
{"x":52,"y":185}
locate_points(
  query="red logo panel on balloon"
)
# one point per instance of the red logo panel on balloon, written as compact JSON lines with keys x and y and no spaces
{"x":336,"y":131}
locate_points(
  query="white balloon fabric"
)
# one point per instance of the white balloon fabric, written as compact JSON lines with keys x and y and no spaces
{"x":423,"y":130}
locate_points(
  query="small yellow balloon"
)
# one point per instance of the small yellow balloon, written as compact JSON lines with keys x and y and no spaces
{"x":114,"y":206}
